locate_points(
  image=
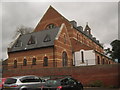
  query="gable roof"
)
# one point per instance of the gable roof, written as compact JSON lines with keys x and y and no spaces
{"x":50,"y":14}
{"x":40,"y":40}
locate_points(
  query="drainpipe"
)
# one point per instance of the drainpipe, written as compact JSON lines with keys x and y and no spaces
{"x":74,"y":58}
{"x":54,"y":63}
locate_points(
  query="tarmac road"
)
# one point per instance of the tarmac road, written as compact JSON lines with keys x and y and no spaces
{"x":101,"y":88}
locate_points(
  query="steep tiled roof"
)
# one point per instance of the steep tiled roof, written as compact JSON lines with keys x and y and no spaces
{"x":43,"y":38}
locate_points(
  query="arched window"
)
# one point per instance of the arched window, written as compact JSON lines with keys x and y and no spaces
{"x":103,"y":61}
{"x":98,"y":59}
{"x":50,"y":26}
{"x":34,"y":61}
{"x":77,"y":36}
{"x":64,"y":39}
{"x":45,"y":62}
{"x":82,"y":56}
{"x":109,"y":62}
{"x":15,"y":63}
{"x":64,"y":59}
{"x":25,"y":62}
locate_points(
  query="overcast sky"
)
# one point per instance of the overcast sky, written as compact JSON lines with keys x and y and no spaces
{"x":102,"y":17}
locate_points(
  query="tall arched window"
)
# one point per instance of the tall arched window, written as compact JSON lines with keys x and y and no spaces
{"x":98,"y":59}
{"x":34,"y":61}
{"x":45,"y":62}
{"x":77,"y":36}
{"x":65,"y":39}
{"x":64,"y":59}
{"x":25,"y":62}
{"x":82,"y":56}
{"x":103,"y":61}
{"x":15,"y":63}
{"x":109,"y":62}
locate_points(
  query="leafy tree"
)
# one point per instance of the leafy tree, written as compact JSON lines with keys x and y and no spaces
{"x":115,"y":49}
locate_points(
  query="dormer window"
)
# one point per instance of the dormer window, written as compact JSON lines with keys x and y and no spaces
{"x":50,"y":26}
{"x":31,"y":40}
{"x":18,"y":43}
{"x":47,"y":38}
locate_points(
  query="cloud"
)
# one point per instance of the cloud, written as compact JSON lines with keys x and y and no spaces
{"x":102,"y":17}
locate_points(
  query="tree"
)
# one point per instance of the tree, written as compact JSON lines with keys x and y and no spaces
{"x":115,"y":49}
{"x":22,"y":30}
{"x":108,"y":52}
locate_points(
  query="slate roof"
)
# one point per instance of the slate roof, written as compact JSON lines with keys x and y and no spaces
{"x":43,"y":38}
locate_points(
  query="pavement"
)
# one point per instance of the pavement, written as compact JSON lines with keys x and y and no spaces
{"x":94,"y":88}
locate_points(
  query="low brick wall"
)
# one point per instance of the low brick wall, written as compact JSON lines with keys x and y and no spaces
{"x":107,"y":74}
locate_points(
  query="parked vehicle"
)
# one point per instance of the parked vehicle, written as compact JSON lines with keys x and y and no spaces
{"x":2,"y":81}
{"x":22,"y":83}
{"x":66,"y":83}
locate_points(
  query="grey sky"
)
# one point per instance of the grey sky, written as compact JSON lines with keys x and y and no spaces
{"x":101,"y":16}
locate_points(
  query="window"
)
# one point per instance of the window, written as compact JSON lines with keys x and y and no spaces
{"x":109,"y":62}
{"x":30,"y":79}
{"x":45,"y":62}
{"x":25,"y":62}
{"x":15,"y":63}
{"x":82,"y":56}
{"x":64,"y":59}
{"x":103,"y":61}
{"x":77,"y":36}
{"x":47,"y":38}
{"x":10,"y":81}
{"x":18,"y":43}
{"x":50,"y":26}
{"x":31,"y":40}
{"x":98,"y":58}
{"x":52,"y":83}
{"x":64,"y":81}
{"x":71,"y":81}
{"x":64,"y":39}
{"x":34,"y":61}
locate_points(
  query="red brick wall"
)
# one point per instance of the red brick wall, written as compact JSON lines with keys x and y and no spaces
{"x":51,"y":16}
{"x":39,"y":54}
{"x":63,"y":44}
{"x":108,"y":74}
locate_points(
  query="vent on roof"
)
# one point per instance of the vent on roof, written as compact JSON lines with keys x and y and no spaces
{"x":47,"y":38}
{"x":31,"y":40}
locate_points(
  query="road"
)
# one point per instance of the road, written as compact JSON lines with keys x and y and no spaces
{"x":101,"y":89}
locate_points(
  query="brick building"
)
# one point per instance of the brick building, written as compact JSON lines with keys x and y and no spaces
{"x":53,"y":43}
